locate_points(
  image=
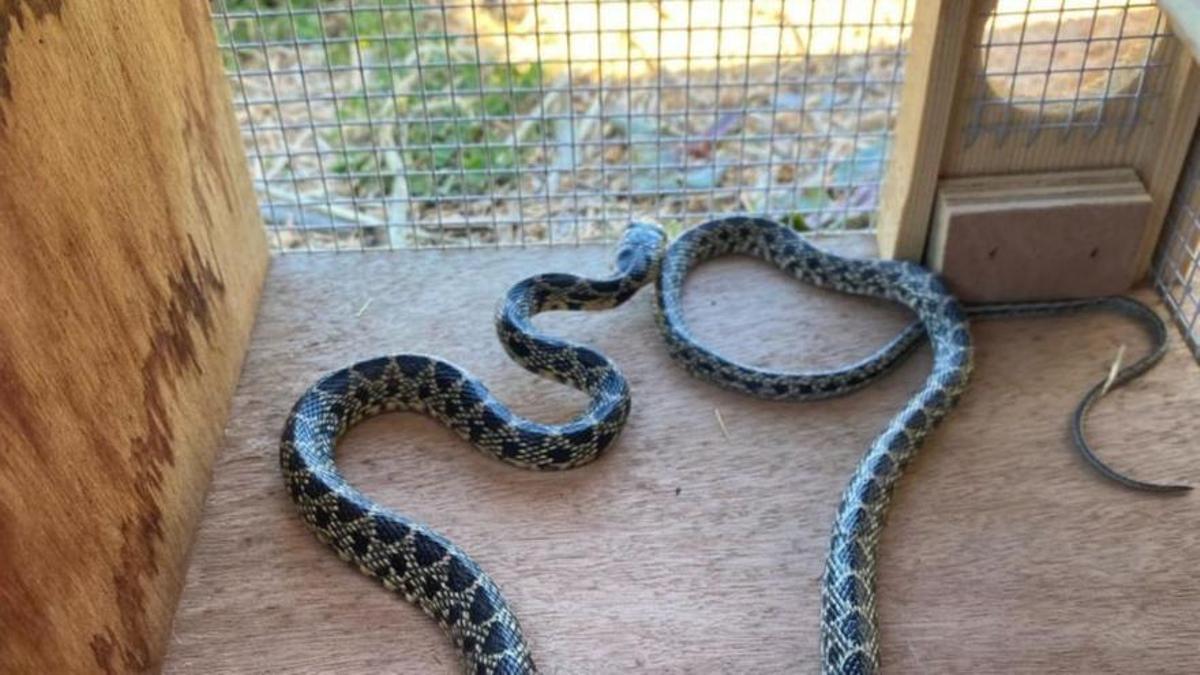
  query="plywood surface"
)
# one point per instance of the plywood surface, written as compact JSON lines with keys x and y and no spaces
{"x":130,"y":269}
{"x":1038,"y":236}
{"x":686,"y":550}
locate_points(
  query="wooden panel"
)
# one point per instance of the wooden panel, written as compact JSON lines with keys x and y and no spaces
{"x":990,"y":153}
{"x":1049,"y":150}
{"x":1054,"y":183}
{"x":939,"y":43}
{"x":130,"y":270}
{"x":1154,"y":147}
{"x":1162,"y":163}
{"x":1039,"y":236}
{"x":686,"y":549}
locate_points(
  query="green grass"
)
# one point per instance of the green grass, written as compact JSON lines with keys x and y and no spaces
{"x":449,"y":88}
{"x":483,"y":122}
{"x":301,"y":26}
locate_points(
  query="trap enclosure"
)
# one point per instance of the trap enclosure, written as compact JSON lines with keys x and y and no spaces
{"x":198,"y":195}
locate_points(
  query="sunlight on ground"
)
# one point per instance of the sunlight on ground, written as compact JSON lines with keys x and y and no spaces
{"x":626,"y":40}
{"x":1081,"y":50}
{"x":630,"y":39}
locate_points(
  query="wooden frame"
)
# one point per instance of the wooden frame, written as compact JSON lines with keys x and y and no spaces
{"x":931,"y":129}
{"x":130,"y":276}
{"x":939,"y":43}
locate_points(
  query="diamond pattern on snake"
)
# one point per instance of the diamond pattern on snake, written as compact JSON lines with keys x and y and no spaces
{"x":425,"y":567}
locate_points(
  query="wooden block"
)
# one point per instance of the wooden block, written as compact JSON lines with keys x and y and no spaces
{"x":1053,"y":238}
{"x":132,"y":261}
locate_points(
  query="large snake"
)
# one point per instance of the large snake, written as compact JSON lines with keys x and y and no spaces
{"x":429,"y":570}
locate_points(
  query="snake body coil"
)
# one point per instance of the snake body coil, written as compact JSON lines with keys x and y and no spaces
{"x":432,"y":572}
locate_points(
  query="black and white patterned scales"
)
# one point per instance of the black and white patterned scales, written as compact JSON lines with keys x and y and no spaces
{"x":430,"y":571}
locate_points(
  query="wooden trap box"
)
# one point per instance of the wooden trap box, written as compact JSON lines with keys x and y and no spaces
{"x":140,"y":357}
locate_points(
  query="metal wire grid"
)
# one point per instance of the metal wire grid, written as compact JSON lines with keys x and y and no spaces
{"x":1176,"y":269}
{"x":1069,"y":65}
{"x":410,"y":123}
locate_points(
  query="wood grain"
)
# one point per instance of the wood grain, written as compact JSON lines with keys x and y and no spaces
{"x":1155,"y":147}
{"x":131,"y":266}
{"x":684,"y":550}
{"x":1162,"y":163}
{"x":940,"y":42}
{"x":934,"y":133}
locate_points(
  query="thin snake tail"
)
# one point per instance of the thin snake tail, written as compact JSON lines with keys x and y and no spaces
{"x":1155,"y":329}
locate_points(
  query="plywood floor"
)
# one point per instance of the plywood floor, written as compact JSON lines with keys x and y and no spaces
{"x":686,"y":549}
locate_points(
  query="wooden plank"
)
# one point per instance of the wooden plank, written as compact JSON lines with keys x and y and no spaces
{"x":1111,"y":146}
{"x":1162,"y":162}
{"x":1004,"y":242}
{"x":132,"y":262}
{"x":1052,"y":183}
{"x":1155,"y":146}
{"x":686,"y":550}
{"x":940,"y":41}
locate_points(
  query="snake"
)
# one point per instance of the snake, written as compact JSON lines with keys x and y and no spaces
{"x":430,"y":571}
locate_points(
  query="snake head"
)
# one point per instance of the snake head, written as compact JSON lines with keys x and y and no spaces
{"x":640,"y":250}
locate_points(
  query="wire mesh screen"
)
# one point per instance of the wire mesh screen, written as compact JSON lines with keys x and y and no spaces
{"x":1075,"y":66}
{"x":1176,"y":271}
{"x":414,"y":123}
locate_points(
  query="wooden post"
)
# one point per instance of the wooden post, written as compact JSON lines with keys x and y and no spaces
{"x":130,"y":269}
{"x":1162,"y":162}
{"x":939,"y":42}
